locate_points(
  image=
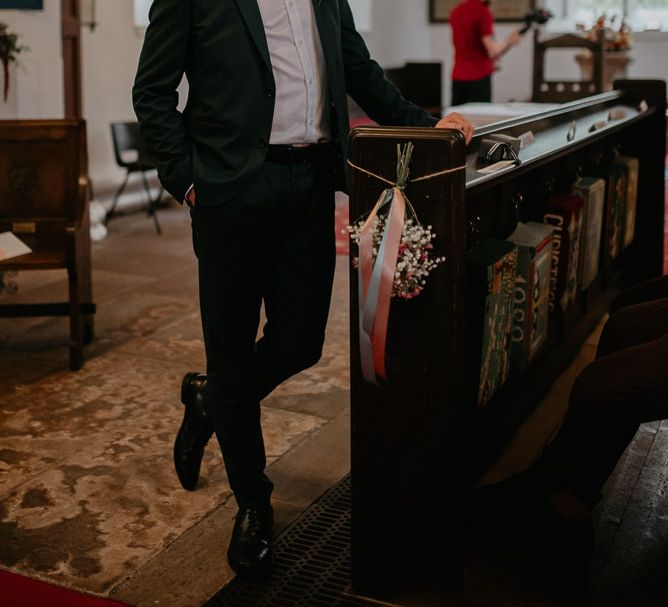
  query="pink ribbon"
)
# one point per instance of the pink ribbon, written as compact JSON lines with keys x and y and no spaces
{"x":375,"y":281}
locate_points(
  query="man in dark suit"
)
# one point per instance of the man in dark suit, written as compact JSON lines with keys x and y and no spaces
{"x":257,"y":154}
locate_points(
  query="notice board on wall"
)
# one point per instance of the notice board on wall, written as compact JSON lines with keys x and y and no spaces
{"x":25,"y":4}
{"x":503,"y":10}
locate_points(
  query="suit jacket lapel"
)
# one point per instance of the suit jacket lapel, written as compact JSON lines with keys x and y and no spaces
{"x":325,"y":31}
{"x":250,"y":11}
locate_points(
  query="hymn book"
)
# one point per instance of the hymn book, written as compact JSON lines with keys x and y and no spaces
{"x":613,"y":220}
{"x":491,"y":268}
{"x":564,"y":213}
{"x":531,"y":292}
{"x":631,"y":167}
{"x":592,"y":191}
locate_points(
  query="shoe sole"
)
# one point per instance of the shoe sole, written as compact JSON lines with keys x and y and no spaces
{"x":262,"y":570}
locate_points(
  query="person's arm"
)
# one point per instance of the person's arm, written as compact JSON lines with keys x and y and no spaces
{"x":496,"y":49}
{"x":155,"y":98}
{"x":377,"y":96}
{"x":367,"y":85}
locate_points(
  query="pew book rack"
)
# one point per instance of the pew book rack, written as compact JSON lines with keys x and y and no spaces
{"x":418,"y":444}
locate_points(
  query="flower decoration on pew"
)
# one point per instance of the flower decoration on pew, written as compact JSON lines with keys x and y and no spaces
{"x":415,"y":259}
{"x":395,"y":258}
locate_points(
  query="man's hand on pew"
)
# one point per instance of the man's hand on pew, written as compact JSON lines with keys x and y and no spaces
{"x":457,"y":121}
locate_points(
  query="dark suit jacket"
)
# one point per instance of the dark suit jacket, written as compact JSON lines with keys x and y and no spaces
{"x":220,"y":140}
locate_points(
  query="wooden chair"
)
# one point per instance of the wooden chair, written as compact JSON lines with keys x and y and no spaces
{"x":562,"y":91}
{"x":44,"y":193}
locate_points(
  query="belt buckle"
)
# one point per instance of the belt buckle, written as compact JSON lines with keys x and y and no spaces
{"x":300,"y":154}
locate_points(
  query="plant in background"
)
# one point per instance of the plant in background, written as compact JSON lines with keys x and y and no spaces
{"x":10,"y":49}
{"x":614,"y":31}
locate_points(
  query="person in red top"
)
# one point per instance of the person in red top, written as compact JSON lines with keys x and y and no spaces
{"x":476,"y":51}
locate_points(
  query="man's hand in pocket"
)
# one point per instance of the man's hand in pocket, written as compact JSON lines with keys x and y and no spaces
{"x":191,"y":197}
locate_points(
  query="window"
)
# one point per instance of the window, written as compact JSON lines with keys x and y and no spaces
{"x":640,"y":15}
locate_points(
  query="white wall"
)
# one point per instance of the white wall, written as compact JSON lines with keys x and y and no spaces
{"x":399,"y":32}
{"x":109,"y":55}
{"x":36,"y":86}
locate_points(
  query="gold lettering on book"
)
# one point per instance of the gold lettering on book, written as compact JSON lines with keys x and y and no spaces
{"x":558,"y":222}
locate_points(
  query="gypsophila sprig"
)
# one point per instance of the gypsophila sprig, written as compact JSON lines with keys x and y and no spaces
{"x":415,"y":260}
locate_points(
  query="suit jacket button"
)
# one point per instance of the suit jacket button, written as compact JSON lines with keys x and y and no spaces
{"x":262,"y":144}
{"x":269,"y":93}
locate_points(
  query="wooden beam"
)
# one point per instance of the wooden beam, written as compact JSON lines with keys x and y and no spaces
{"x":71,"y":34}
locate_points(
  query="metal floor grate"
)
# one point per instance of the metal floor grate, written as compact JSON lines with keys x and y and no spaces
{"x":311,"y":565}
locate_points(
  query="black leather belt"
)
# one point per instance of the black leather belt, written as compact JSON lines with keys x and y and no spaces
{"x":307,"y":154}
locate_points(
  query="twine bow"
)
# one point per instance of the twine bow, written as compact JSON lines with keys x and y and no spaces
{"x":375,"y":278}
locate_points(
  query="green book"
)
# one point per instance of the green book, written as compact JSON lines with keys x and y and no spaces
{"x":612,"y":237}
{"x":592,"y":191}
{"x":491,"y":268}
{"x":631,"y":167}
{"x":531,"y":293}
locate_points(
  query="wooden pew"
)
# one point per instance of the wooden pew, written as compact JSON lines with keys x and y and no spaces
{"x":44,"y":193}
{"x":418,"y":443}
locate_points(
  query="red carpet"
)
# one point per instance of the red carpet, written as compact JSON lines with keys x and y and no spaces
{"x":341,"y":225}
{"x":21,"y":591}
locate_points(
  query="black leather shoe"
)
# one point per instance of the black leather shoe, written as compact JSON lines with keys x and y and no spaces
{"x":195,"y":431}
{"x":250,"y":547}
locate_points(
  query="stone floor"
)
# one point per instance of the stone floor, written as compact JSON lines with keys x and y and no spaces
{"x":88,"y":498}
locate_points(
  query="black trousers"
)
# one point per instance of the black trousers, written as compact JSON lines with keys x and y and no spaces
{"x":625,"y":386}
{"x":271,"y":244}
{"x":472,"y":91}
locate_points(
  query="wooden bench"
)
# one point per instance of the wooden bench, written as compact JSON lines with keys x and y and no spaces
{"x":44,"y":193}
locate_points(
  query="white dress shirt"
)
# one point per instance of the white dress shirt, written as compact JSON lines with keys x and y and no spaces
{"x":301,"y":107}
{"x":301,"y":112}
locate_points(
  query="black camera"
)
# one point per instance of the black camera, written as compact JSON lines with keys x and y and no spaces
{"x":540,"y":16}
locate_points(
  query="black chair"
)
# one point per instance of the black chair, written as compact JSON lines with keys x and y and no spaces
{"x":131,"y":154}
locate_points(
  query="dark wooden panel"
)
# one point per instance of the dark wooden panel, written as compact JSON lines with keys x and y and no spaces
{"x":405,"y":432}
{"x":40,"y":167}
{"x":633,"y":573}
